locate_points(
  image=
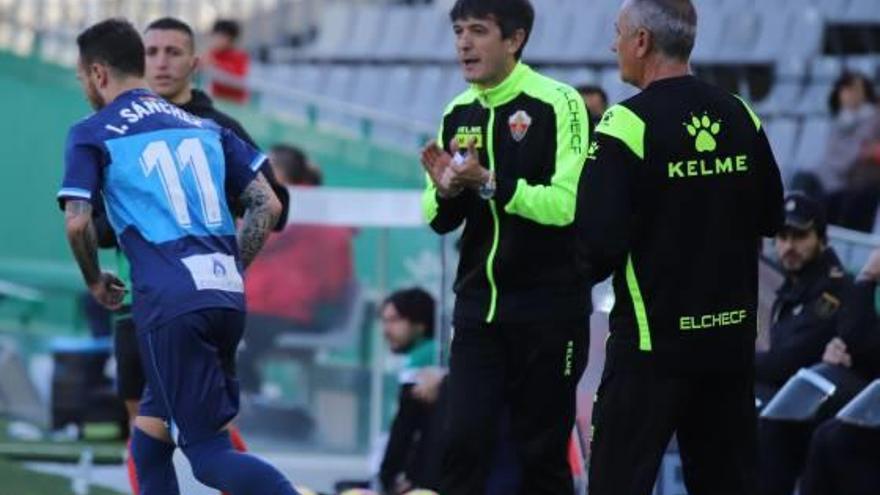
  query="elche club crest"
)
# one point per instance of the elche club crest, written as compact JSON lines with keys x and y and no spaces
{"x":519,"y":125}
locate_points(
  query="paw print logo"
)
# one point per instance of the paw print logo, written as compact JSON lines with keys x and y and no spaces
{"x":705,"y":130}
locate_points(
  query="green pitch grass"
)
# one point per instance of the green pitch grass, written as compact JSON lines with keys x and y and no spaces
{"x":16,"y":480}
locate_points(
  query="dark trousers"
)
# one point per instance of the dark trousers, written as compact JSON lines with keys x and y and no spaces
{"x":637,"y":412}
{"x":843,"y":460}
{"x":533,"y":370}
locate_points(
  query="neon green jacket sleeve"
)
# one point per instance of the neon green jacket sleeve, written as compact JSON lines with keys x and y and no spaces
{"x":554,"y":204}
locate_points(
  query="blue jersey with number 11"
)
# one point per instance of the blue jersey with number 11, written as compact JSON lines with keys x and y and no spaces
{"x":163,"y":175}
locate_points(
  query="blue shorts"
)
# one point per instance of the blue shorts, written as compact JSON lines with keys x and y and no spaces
{"x":189,"y":363}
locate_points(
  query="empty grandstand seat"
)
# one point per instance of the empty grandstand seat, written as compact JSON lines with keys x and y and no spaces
{"x":710,"y":28}
{"x":399,"y":33}
{"x":811,"y":144}
{"x":368,"y":86}
{"x":589,"y":41}
{"x":863,"y":11}
{"x":782,"y":133}
{"x":866,"y":64}
{"x":826,"y":68}
{"x":742,"y":29}
{"x":432,"y":28}
{"x":424,"y":106}
{"x":553,"y":28}
{"x":369,"y":25}
{"x":815,"y":98}
{"x":399,"y":90}
{"x":335,"y":28}
{"x":805,"y":33}
{"x":775,"y":21}
{"x":830,"y":8}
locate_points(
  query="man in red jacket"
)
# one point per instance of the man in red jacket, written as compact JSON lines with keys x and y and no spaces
{"x":228,"y":60}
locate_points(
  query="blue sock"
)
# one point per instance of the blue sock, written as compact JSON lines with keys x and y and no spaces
{"x":217,"y":464}
{"x":152,"y":460}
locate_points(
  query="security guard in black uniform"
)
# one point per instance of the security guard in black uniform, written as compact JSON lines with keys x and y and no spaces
{"x":680,"y":185}
{"x":807,"y":305}
{"x":806,"y":317}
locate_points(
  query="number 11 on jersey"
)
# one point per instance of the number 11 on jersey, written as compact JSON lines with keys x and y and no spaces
{"x":189,"y":154}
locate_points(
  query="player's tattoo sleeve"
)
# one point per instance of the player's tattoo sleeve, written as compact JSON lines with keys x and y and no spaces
{"x":82,"y":239}
{"x":261,"y":213}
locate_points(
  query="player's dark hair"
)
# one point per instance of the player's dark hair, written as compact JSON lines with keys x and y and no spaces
{"x":848,"y":79}
{"x":228,"y":27}
{"x":509,"y":14}
{"x":114,"y":42}
{"x":173,"y":24}
{"x":592,"y":89}
{"x":416,"y":306}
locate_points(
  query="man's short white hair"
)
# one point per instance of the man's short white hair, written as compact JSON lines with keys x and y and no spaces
{"x":673,"y":24}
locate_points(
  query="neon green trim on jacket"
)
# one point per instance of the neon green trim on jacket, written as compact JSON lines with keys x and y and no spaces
{"x":638,"y":306}
{"x":752,"y":114}
{"x":496,"y":229}
{"x":555,"y":204}
{"x":623,"y":124}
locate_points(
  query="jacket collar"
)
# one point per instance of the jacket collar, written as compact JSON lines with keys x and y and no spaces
{"x":507,"y":90}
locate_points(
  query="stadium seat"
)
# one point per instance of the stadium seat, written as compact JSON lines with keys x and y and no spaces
{"x":862,"y":11}
{"x":711,"y":29}
{"x":866,"y":64}
{"x":399,"y":33}
{"x":742,"y":30}
{"x":807,"y":28}
{"x":432,"y":28}
{"x":368,"y":86}
{"x":811,"y":143}
{"x":335,"y":28}
{"x":428,"y":83}
{"x":363,"y":40}
{"x":815,"y":98}
{"x":782,"y":133}
{"x":775,"y":23}
{"x":552,"y":30}
{"x":586,"y":41}
{"x":832,"y":9}
{"x":826,"y":68}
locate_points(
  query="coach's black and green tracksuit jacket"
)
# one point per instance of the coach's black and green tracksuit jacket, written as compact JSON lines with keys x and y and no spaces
{"x":679,"y":186}
{"x":517,"y":250}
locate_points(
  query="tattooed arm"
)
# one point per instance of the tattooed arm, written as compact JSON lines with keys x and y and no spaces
{"x":105,"y":287}
{"x":262,"y":210}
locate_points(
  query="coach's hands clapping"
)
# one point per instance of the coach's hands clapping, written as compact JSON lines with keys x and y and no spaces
{"x":468,"y":172}
{"x":438,"y":164}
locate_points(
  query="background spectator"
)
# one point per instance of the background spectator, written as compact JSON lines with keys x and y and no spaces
{"x":412,"y":457}
{"x":805,"y":310}
{"x":596,"y":100}
{"x":846,"y":175}
{"x":228,"y":60}
{"x":301,"y":278}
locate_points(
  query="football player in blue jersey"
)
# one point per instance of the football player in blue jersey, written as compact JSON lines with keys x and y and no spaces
{"x":163,"y":175}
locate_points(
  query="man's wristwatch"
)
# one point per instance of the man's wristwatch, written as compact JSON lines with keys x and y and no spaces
{"x":487,"y":189}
